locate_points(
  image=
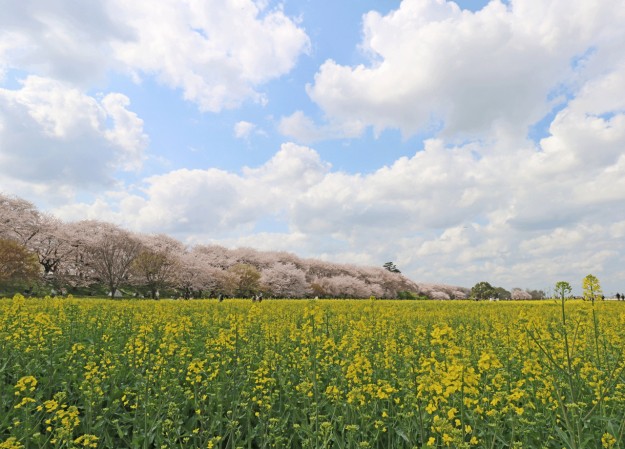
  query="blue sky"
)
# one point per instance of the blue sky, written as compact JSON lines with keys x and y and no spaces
{"x":464,"y":141}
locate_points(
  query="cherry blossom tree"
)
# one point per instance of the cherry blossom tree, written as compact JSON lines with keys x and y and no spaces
{"x":250,"y":256}
{"x":107,"y":253}
{"x":191,"y":274}
{"x":442,"y":291}
{"x":439,"y":295}
{"x":284,"y":280}
{"x":91,"y":252}
{"x":319,"y":269}
{"x":460,"y":294}
{"x":517,"y":293}
{"x":391,"y":283}
{"x":344,"y":286}
{"x":19,"y":219}
{"x":55,"y":249}
{"x":43,"y":234}
{"x":215,"y":255}
{"x":194,"y":277}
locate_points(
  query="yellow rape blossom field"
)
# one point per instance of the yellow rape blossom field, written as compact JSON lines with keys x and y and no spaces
{"x":82,"y":373}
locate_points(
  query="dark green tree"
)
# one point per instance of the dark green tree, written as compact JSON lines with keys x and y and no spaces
{"x":502,"y":293}
{"x":390,"y":266}
{"x":536,"y":294}
{"x":482,"y":290}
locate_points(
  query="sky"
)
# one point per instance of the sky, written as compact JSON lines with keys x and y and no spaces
{"x":469,"y":141}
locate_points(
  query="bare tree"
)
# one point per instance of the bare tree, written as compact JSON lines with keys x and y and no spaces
{"x":17,"y":263}
{"x":157,"y":262}
{"x":244,"y":279}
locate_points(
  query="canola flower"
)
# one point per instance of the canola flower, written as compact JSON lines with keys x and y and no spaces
{"x":310,"y":374}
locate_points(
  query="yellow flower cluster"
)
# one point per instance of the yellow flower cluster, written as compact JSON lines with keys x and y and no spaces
{"x":355,"y":374}
{"x":11,"y":443}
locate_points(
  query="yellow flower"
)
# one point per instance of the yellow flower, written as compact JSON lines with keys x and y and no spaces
{"x":51,"y":405}
{"x":24,"y":402}
{"x":607,"y":440}
{"x":213,"y":441}
{"x":11,"y":443}
{"x":87,"y":441}
{"x":25,"y":383}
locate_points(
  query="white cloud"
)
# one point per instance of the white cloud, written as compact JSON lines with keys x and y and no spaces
{"x":494,"y":207}
{"x":434,"y":66}
{"x":217,"y":52}
{"x":55,"y":136}
{"x":302,"y":128}
{"x":515,"y":216}
{"x":62,"y":39}
{"x":210,"y":202}
{"x":127,"y":132}
{"x":243,"y":129}
{"x":291,"y":170}
{"x":425,"y":191}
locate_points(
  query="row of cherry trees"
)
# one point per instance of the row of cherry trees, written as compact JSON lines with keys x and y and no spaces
{"x":95,"y":254}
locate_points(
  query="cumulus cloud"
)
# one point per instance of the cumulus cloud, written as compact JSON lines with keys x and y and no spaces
{"x":436,"y":188}
{"x":434,"y":66}
{"x":192,"y":45}
{"x":578,"y":172}
{"x":64,"y":39}
{"x":481,"y":210}
{"x":54,"y":135}
{"x":477,"y":201}
{"x":213,"y":201}
{"x":217,"y":52}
